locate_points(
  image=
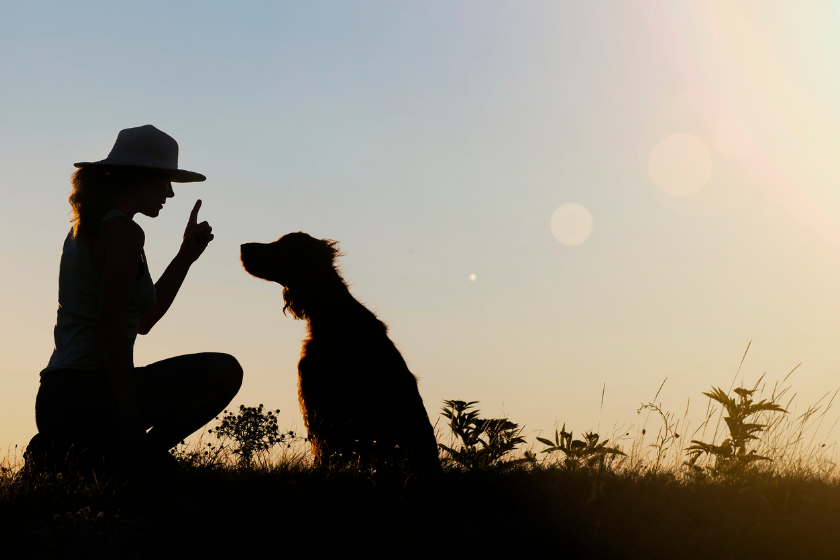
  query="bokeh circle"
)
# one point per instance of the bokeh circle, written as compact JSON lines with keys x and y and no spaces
{"x":680,"y":165}
{"x":571,"y":224}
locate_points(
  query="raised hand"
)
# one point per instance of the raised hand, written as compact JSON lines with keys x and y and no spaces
{"x":196,"y":236}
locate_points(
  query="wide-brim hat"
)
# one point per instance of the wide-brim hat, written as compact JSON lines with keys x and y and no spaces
{"x":146,"y":146}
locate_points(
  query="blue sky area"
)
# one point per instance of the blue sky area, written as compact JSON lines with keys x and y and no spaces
{"x":435,"y":140}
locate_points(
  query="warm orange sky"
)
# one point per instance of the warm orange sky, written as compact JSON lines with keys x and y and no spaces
{"x":538,"y":198}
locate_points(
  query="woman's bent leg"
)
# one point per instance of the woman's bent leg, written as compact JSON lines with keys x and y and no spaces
{"x":76,"y":414}
{"x":76,"y":404}
{"x":180,"y":395}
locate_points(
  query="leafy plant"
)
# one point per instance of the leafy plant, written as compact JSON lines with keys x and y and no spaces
{"x":484,"y":442}
{"x":589,"y":451}
{"x":732,"y":455}
{"x":252,"y":431}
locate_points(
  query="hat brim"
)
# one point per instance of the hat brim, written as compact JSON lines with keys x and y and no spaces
{"x":176,"y":175}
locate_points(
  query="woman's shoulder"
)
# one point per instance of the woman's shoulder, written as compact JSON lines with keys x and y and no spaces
{"x":120,"y":230}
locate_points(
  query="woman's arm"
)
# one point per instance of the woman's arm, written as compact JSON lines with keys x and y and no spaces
{"x":122,"y":244}
{"x":196,"y":238}
{"x":166,"y":289}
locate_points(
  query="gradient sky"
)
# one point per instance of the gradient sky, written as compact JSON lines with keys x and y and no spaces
{"x":435,"y":141}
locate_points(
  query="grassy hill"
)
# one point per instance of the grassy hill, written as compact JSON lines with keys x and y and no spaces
{"x":752,"y":481}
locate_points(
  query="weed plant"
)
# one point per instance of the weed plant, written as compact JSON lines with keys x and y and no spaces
{"x":732,"y":454}
{"x":588,"y":452}
{"x":251,"y":432}
{"x":481,"y":443}
{"x":246,"y":441}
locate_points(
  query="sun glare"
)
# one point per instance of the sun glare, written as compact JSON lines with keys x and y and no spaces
{"x":730,"y":139}
{"x":571,"y":224}
{"x":680,"y":165}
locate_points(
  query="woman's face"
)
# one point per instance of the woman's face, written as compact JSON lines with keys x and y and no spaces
{"x":151,"y":195}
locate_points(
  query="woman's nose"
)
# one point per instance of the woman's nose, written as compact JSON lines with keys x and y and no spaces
{"x":170,"y":193}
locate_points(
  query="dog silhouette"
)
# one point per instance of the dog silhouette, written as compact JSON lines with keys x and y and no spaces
{"x":358,"y":398}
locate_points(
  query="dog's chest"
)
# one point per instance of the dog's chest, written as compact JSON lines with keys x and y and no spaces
{"x":347,"y":363}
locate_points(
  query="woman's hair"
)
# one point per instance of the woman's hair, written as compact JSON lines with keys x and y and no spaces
{"x":96,"y":189}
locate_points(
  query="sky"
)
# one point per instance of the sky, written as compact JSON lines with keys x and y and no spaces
{"x":545,"y":201}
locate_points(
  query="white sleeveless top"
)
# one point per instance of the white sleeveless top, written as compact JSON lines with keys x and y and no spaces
{"x":78,"y":342}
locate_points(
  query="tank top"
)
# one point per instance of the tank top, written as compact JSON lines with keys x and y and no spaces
{"x":78,"y":342}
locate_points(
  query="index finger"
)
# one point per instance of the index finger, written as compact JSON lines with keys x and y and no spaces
{"x":194,"y":214}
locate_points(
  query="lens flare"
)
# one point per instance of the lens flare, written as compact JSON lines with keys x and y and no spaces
{"x":680,"y":165}
{"x":730,"y":139}
{"x":571,"y":224}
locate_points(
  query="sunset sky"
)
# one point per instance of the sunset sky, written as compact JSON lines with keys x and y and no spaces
{"x":541,"y":199}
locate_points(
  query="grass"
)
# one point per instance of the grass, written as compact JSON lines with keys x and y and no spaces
{"x":580,"y":513}
{"x":649,"y":492}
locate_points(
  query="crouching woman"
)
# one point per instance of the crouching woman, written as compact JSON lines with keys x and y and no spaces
{"x":91,"y":394}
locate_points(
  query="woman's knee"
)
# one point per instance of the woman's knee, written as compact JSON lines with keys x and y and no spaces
{"x":227,"y":368}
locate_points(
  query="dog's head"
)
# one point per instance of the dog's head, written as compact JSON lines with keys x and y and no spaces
{"x":298,"y":262}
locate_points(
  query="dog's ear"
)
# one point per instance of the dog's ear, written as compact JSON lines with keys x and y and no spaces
{"x":313,"y":274}
{"x":293,"y":303}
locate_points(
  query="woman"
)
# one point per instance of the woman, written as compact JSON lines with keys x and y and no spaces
{"x":91,"y":394}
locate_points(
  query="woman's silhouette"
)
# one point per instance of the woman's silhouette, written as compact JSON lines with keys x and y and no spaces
{"x":91,"y":393}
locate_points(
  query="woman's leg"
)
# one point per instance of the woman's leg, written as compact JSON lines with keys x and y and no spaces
{"x":77,"y":404}
{"x":76,"y":415}
{"x":180,"y":395}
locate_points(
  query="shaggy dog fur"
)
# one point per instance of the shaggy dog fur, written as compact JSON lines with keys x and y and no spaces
{"x":358,"y":398}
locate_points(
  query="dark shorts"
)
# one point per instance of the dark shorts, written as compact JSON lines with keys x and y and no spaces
{"x":81,"y":403}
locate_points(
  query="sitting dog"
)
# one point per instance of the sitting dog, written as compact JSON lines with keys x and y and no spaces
{"x":358,"y":398}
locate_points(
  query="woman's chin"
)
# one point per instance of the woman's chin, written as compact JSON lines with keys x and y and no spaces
{"x":152,"y":212}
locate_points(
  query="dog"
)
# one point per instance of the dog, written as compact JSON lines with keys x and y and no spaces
{"x":358,"y":398}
